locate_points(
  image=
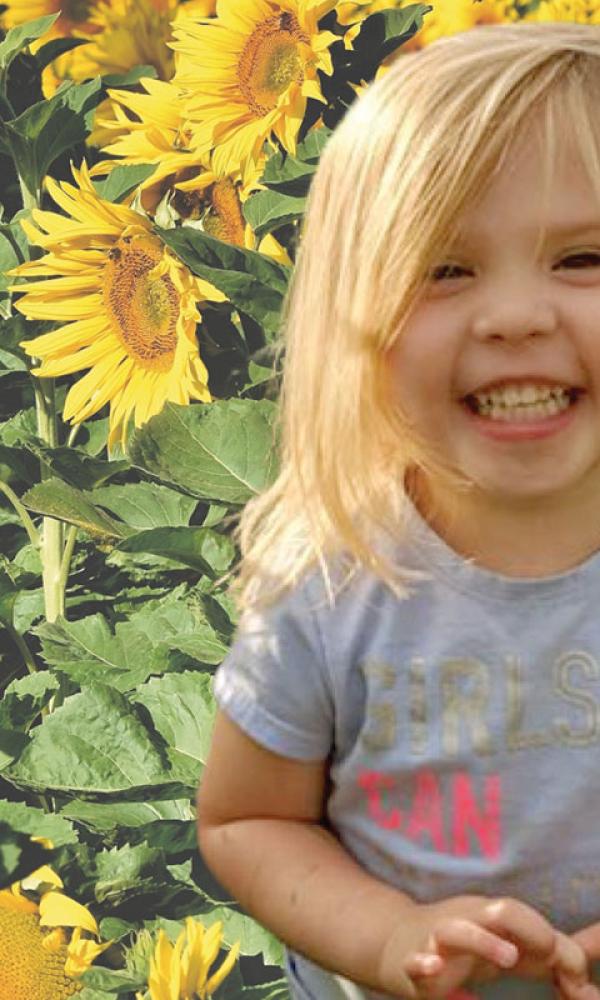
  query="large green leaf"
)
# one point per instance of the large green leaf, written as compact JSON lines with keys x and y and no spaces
{"x":110,"y":816}
{"x":254,"y":283}
{"x":222,"y":451}
{"x":19,"y":37}
{"x":88,"y":652}
{"x":201,"y":548}
{"x":38,"y":823}
{"x":75,"y":465}
{"x":182,"y":708}
{"x":94,"y":746}
{"x":46,"y":129}
{"x":62,"y":501}
{"x":147,"y":505}
{"x":292,"y":174}
{"x":179,"y":625}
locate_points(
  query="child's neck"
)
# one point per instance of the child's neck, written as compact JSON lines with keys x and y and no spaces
{"x":539,"y":538}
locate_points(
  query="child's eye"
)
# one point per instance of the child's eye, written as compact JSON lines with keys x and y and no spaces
{"x":577,"y":261}
{"x":447,"y":271}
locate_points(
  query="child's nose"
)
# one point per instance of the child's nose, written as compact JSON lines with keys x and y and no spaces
{"x":514,"y":318}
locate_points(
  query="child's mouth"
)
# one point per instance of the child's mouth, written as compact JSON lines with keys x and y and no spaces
{"x":522,"y":403}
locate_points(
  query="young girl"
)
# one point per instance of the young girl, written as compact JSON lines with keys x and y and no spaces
{"x":404,"y":782}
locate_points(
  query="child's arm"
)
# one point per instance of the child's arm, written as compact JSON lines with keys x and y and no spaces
{"x":260,"y":832}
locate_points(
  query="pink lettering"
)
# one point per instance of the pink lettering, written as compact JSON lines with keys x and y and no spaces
{"x":427,"y":814}
{"x":374,"y":783}
{"x":485,"y":823}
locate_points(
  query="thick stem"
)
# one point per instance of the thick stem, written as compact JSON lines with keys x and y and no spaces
{"x":51,"y":549}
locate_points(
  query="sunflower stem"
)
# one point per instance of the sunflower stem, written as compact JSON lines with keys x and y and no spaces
{"x":67,"y":555}
{"x":28,"y":524}
{"x":51,"y":550}
{"x":23,"y":648}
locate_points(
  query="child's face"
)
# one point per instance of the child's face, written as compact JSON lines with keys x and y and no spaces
{"x":499,"y":367}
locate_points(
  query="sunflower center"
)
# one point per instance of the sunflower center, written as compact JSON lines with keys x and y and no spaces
{"x":28,"y":970}
{"x":219,"y":208}
{"x":144,"y":309}
{"x":270,"y":61}
{"x":76,"y":10}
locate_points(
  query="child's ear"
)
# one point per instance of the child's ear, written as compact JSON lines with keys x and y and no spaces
{"x":589,"y":939}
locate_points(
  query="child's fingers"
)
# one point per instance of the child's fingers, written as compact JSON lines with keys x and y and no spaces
{"x":570,"y":958}
{"x":517,"y":922}
{"x":464,"y":936}
{"x":424,"y":963}
{"x":570,"y":989}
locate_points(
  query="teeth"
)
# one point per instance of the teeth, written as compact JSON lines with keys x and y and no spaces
{"x":522,"y":402}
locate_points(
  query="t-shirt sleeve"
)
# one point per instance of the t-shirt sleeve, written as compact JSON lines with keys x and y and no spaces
{"x":274,"y":681}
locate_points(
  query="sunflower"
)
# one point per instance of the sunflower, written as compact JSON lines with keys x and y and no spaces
{"x":180,"y":971}
{"x":44,"y":942}
{"x":128,"y":33}
{"x":248,"y":74}
{"x":159,"y":134}
{"x":150,"y":128}
{"x":128,"y":308}
{"x":447,"y":18}
{"x":72,"y":14}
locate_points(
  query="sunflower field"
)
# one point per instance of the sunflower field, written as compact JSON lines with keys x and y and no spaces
{"x":155,"y":159}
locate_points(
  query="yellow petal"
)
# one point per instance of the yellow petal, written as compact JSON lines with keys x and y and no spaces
{"x":58,"y":910}
{"x":224,"y":970}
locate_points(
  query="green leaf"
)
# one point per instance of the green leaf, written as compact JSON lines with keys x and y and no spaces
{"x":62,"y":501}
{"x":126,"y":870}
{"x":8,"y":594}
{"x":268,"y":210}
{"x":178,"y":626}
{"x":38,"y":823}
{"x":21,"y":464}
{"x":201,"y":548}
{"x":107,"y":817}
{"x":12,"y":743}
{"x":88,"y":652}
{"x":46,"y":129}
{"x":122,"y":180}
{"x":19,"y":856}
{"x":254,"y":283}
{"x":24,"y":699}
{"x":292,"y":174}
{"x":130,"y":78}
{"x":110,"y":981}
{"x":55,"y":48}
{"x":94,"y":746}
{"x":76,"y":466}
{"x":182,"y":708}
{"x":14,"y":249}
{"x":18,"y":38}
{"x":253,"y":938}
{"x":222,"y":451}
{"x":382,"y":33}
{"x":147,"y":505}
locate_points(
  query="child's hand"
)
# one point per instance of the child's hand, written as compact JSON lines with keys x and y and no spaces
{"x":471,"y":939}
{"x":589,"y":940}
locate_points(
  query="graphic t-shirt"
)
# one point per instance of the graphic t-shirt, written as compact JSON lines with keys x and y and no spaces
{"x":462,"y":726}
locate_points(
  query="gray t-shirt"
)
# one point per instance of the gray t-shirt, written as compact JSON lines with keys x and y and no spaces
{"x":462,"y":726}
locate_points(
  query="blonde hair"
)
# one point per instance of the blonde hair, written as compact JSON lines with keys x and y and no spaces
{"x":410,"y":154}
